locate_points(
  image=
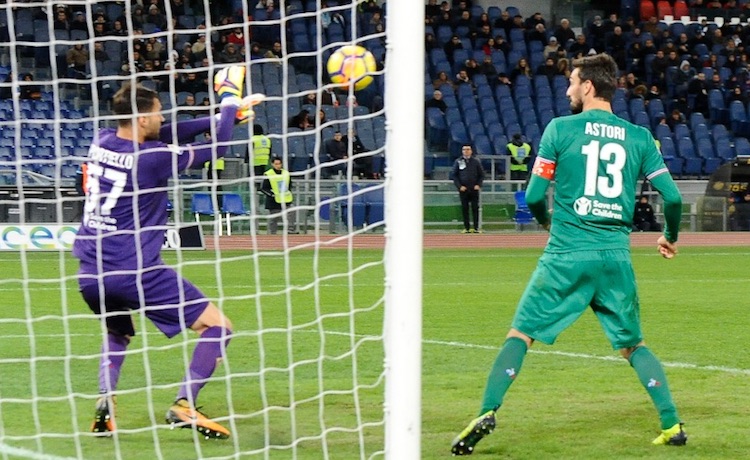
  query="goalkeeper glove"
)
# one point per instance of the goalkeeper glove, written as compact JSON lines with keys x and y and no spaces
{"x":245,"y":112}
{"x":228,"y":82}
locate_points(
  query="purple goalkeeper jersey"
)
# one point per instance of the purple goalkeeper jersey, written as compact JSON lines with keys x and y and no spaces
{"x":125,"y":214}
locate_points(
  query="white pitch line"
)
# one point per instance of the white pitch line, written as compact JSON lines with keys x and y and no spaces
{"x":567,"y":354}
{"x":25,"y":453}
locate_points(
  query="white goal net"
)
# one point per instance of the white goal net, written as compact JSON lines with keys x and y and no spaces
{"x":324,"y":295}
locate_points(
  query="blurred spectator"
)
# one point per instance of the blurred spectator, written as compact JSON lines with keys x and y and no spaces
{"x":451,"y":46}
{"x":659,"y":67}
{"x":229,"y":55}
{"x":139,"y":17}
{"x":518,"y":23}
{"x":595,"y":33}
{"x":99,"y":53}
{"x":716,"y":83}
{"x":482,"y":34}
{"x":644,"y":219}
{"x":442,"y":79}
{"x":436,"y":101}
{"x":321,"y":119}
{"x":484,"y":20}
{"x":191,"y":83}
{"x":736,"y":94}
{"x":521,"y":68}
{"x":534,"y":20}
{"x":697,"y":92}
{"x":432,"y":9}
{"x":502,"y":79}
{"x":675,"y":118}
{"x":301,"y":120}
{"x":699,"y":38}
{"x":504,"y":22}
{"x":30,"y":90}
{"x":471,"y":67}
{"x":118,"y":29}
{"x":199,"y":46}
{"x":564,"y":33}
{"x":236,"y":36}
{"x":682,"y":78}
{"x":462,"y":78}
{"x":563,"y":67}
{"x":336,"y":149}
{"x":156,"y":18}
{"x":430,"y":42}
{"x":327,"y":17}
{"x":100,"y":30}
{"x":501,"y":44}
{"x":275,"y":52}
{"x":550,"y":50}
{"x":255,"y":51}
{"x":488,"y":68}
{"x":362,"y":163}
{"x":548,"y":69}
{"x":616,"y":46}
{"x":76,"y":58}
{"x":579,"y":47}
{"x":538,"y":33}
{"x":79,"y":23}
{"x":652,"y":27}
{"x":631,"y":81}
{"x":61,"y":20}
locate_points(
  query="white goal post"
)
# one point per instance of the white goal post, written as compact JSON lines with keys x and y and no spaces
{"x":325,"y":357}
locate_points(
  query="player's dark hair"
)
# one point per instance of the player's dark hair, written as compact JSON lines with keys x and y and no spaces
{"x":601,"y":71}
{"x":122,"y":102}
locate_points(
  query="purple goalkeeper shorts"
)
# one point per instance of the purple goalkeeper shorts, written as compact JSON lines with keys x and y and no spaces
{"x":171,"y":302}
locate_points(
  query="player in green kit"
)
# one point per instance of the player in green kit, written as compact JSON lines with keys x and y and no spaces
{"x":596,"y":159}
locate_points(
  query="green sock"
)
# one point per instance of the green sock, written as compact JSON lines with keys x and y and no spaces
{"x":652,"y":377}
{"x":504,"y":371}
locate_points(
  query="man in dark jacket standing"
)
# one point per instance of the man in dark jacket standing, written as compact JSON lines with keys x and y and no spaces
{"x":468,"y":176}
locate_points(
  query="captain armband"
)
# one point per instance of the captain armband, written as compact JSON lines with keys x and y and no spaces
{"x":544,"y":168}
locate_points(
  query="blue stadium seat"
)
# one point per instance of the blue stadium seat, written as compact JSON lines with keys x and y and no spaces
{"x":719,"y":114}
{"x":641,"y":119}
{"x":685,"y":147}
{"x":516,"y":35}
{"x":711,"y":165}
{"x":483,"y":146}
{"x":738,"y":118}
{"x":202,"y":205}
{"x":704,"y":148}
{"x":741,"y":146}
{"x":723,"y":149}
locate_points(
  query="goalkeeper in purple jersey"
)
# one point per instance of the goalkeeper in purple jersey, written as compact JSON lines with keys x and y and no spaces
{"x":595,"y":158}
{"x":120,"y":239}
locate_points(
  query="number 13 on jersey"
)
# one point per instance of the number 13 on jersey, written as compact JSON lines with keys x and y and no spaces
{"x":610,"y":185}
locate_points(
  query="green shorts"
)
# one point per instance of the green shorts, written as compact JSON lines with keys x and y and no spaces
{"x":563,"y":285}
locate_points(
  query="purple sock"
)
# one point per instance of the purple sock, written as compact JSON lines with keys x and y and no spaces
{"x":209,"y":349}
{"x":110,"y":363}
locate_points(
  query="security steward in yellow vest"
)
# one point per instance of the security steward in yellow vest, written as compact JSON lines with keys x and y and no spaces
{"x":520,"y":155}
{"x":277,"y":189}
{"x":261,"y":145}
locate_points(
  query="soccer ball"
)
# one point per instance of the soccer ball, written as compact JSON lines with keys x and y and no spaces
{"x":351,"y":64}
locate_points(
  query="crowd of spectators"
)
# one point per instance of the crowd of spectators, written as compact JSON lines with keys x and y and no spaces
{"x":171,"y":34}
{"x":654,"y":58}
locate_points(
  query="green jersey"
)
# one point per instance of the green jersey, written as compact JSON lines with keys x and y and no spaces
{"x":596,"y":159}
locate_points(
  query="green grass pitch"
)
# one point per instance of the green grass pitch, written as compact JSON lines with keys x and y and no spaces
{"x":298,"y":353}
